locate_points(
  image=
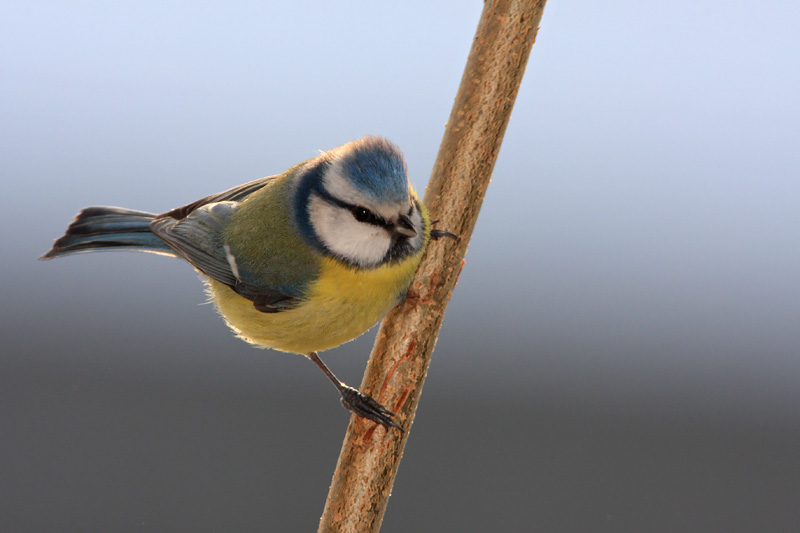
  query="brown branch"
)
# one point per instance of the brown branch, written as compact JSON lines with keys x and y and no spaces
{"x":399,"y":361}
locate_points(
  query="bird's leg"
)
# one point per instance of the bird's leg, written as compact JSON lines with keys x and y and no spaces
{"x":357,"y":401}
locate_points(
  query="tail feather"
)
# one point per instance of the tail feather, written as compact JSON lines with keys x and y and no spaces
{"x":109,"y":228}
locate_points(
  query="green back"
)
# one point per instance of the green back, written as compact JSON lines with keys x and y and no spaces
{"x":264,"y":240}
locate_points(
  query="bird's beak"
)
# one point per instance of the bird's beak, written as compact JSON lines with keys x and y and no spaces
{"x":404,"y":227}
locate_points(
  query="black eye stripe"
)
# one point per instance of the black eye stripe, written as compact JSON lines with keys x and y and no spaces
{"x":361,"y":214}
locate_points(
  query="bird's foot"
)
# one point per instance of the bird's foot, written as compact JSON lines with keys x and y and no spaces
{"x":437,"y":234}
{"x":364,"y":406}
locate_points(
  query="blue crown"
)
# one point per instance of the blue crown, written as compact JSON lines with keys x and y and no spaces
{"x":377,"y":168}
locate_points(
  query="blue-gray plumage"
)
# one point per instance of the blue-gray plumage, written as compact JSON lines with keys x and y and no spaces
{"x":377,"y":170}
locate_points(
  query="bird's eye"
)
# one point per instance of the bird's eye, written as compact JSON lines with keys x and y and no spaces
{"x":362,"y":214}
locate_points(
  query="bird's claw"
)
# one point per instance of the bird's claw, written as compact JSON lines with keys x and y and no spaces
{"x":364,"y":406}
{"x":437,"y":234}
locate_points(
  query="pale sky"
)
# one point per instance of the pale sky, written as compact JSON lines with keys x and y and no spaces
{"x":638,"y":244}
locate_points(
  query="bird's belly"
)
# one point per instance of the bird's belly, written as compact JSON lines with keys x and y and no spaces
{"x":341,"y":305}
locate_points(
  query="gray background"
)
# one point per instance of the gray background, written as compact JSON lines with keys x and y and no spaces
{"x":621,"y":352}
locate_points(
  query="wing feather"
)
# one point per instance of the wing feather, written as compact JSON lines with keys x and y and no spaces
{"x":198,"y":237}
{"x":234,"y":194}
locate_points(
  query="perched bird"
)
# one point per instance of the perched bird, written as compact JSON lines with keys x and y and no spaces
{"x":299,"y":262}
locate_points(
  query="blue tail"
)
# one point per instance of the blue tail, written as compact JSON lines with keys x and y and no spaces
{"x":109,"y":228}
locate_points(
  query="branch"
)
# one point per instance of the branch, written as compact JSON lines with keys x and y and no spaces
{"x":399,"y":361}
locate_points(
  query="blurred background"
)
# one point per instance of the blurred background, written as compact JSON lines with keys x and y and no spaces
{"x":622,"y":352}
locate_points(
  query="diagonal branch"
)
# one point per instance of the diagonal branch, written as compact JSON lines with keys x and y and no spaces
{"x":399,"y":361}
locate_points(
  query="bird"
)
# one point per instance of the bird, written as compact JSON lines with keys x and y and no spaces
{"x":299,"y":262}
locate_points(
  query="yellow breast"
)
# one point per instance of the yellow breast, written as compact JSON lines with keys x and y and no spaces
{"x":342,"y":304}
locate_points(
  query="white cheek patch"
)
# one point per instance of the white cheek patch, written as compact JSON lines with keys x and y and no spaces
{"x":362,"y":244}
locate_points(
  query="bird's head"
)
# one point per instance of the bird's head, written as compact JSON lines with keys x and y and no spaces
{"x":354,"y":203}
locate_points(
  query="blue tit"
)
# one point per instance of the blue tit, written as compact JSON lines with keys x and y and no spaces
{"x":299,"y":262}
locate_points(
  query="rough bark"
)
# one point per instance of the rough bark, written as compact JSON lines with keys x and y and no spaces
{"x":396,"y":370}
